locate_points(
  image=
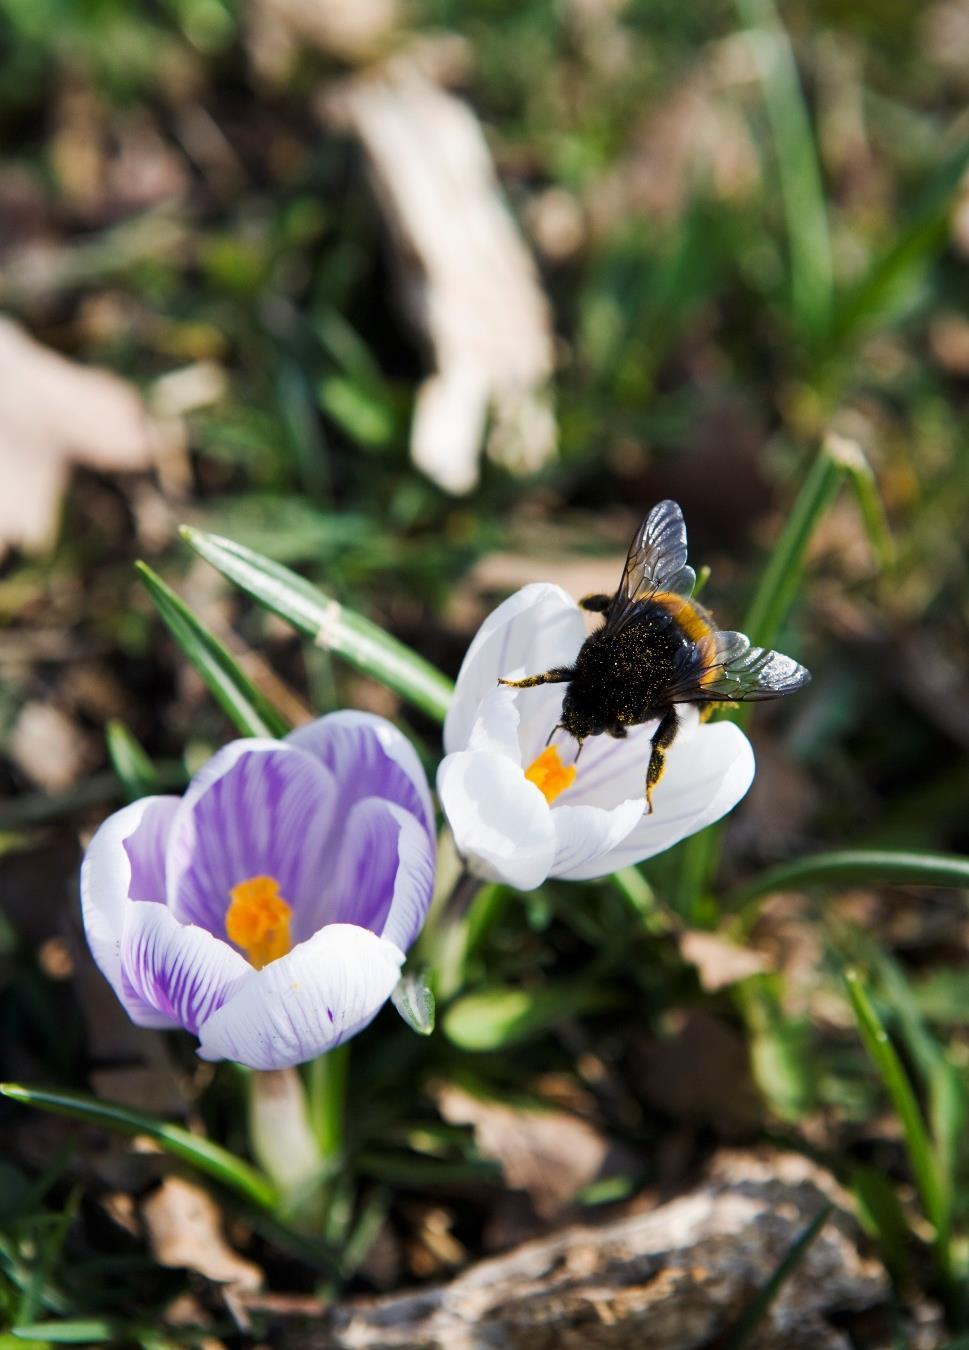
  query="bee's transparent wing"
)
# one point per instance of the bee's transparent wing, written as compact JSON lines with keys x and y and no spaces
{"x":656,"y":562}
{"x":729,"y":669}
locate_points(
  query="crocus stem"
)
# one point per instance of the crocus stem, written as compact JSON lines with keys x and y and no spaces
{"x":327,"y":1082}
{"x":280,"y":1133}
{"x":442,"y":945}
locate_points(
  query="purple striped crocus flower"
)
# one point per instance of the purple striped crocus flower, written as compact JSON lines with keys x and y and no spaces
{"x":269,"y":909}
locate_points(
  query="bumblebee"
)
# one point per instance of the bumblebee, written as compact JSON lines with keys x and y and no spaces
{"x":658,"y":648}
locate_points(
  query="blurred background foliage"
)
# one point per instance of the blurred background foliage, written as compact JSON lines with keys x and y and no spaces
{"x":751,"y":227}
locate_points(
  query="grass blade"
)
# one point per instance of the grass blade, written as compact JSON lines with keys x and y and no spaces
{"x":895,"y":275}
{"x":135,"y":771}
{"x":871,"y":866}
{"x":216,"y":1162}
{"x":781,"y":578}
{"x":751,"y":1319}
{"x":918,"y":1145}
{"x":328,"y":623}
{"x":802,"y":190}
{"x":76,"y":1331}
{"x":239,"y":699}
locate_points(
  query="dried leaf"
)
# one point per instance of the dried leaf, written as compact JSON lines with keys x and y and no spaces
{"x":184,"y":1229}
{"x":54,"y":412}
{"x":551,"y":1154}
{"x":718,"y":961}
{"x":353,"y":32}
{"x":468,"y":281}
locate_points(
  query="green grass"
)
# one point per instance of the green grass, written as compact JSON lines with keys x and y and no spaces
{"x":767,"y":253}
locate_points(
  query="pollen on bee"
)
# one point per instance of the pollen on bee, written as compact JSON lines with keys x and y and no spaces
{"x":257,"y":920}
{"x":550,"y":775}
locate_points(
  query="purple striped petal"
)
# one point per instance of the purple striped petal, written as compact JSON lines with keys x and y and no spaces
{"x":383,"y":876}
{"x":322,"y":993}
{"x":368,"y":757}
{"x":125,"y":857}
{"x":177,"y":971}
{"x":258,"y":808}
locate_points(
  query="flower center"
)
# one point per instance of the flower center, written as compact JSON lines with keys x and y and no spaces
{"x":550,"y":775}
{"x":258,"y":920}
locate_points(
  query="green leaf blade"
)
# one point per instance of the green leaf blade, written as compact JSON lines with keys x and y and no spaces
{"x":250,"y":712}
{"x":329,"y":624}
{"x":871,"y":866}
{"x":414,"y":1000}
{"x":895,"y":1080}
{"x":202,"y":1154}
{"x":135,"y":771}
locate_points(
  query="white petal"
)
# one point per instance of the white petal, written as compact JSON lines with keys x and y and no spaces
{"x":501,"y":823}
{"x":704,"y":779}
{"x":368,"y":756}
{"x":174,"y":971}
{"x":584,"y":834}
{"x":322,"y":993}
{"x":495,"y":728}
{"x":106,"y":875}
{"x":612,"y":771}
{"x":538,"y":627}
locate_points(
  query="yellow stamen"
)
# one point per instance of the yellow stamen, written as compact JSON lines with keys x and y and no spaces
{"x":257,"y":921}
{"x":550,"y":775}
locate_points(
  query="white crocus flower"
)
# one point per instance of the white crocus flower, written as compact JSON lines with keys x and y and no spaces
{"x":521,"y":811}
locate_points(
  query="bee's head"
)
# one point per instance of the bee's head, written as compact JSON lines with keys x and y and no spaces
{"x":578,"y":719}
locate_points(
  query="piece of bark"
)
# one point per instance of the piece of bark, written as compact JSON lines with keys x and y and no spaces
{"x":468,"y":281}
{"x":674,"y":1278}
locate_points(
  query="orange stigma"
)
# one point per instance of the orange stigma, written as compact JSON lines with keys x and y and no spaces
{"x":257,"y":921}
{"x":550,"y":775}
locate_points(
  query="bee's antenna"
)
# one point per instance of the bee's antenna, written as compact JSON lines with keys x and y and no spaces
{"x":558,"y":727}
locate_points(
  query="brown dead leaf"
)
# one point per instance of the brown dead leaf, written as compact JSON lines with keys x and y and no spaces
{"x":467,"y":279}
{"x":184,"y":1229}
{"x":352,"y":32}
{"x":53,"y":413}
{"x":551,"y":1154}
{"x":48,"y":747}
{"x":718,"y":961}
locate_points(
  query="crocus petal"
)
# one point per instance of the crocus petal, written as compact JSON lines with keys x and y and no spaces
{"x":704,"y":780}
{"x":322,"y":993}
{"x":108,"y":870}
{"x":383,"y":876}
{"x":368,"y":757}
{"x":584,"y":834}
{"x":258,"y":808}
{"x":175,"y":971}
{"x":495,"y":728}
{"x":501,"y":822}
{"x":537,"y":628}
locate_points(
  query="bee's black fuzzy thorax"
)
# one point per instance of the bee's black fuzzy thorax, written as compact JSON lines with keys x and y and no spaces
{"x":621,"y":678}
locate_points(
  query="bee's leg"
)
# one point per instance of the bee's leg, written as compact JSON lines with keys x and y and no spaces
{"x":558,"y":675}
{"x":598,"y":604}
{"x":618,"y":731}
{"x":663,"y":738}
